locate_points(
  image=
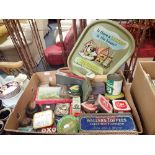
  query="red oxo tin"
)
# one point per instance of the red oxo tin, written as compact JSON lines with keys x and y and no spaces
{"x":121,"y":106}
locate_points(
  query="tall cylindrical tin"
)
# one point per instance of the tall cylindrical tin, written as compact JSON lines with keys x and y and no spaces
{"x":114,"y":84}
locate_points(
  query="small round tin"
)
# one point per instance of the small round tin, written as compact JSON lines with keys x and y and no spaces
{"x":68,"y":125}
{"x":114,"y":84}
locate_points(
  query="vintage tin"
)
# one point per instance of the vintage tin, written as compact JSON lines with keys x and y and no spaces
{"x":51,"y":95}
{"x":74,"y":90}
{"x":89,"y":107}
{"x":76,"y":106}
{"x":92,"y":98}
{"x":68,"y":125}
{"x":105,"y":123}
{"x":103,"y":104}
{"x":121,"y":106}
{"x":62,"y":109}
{"x":114,"y":84}
{"x":43,"y":119}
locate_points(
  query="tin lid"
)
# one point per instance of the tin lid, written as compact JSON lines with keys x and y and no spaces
{"x":114,"y":77}
{"x":68,"y":125}
{"x":121,"y":105}
{"x":101,"y":49}
{"x":43,"y":119}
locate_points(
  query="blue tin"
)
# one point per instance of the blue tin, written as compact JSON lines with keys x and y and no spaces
{"x":107,"y":122}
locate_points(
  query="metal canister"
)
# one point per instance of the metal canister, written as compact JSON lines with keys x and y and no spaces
{"x":114,"y":84}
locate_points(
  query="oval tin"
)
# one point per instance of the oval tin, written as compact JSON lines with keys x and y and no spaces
{"x":101,"y":49}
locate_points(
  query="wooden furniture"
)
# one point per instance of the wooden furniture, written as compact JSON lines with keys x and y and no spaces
{"x":9,"y":67}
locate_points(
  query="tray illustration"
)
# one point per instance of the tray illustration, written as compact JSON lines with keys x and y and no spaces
{"x":101,"y":49}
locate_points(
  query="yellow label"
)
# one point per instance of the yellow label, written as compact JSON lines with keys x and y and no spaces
{"x":89,"y":65}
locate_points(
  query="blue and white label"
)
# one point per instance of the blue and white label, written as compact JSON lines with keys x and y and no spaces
{"x":107,"y":123}
{"x":112,"y":39}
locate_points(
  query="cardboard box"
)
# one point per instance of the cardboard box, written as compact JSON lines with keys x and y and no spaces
{"x":143,"y":93}
{"x":29,"y":93}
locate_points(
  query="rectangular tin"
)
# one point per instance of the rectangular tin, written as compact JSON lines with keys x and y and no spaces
{"x":103,"y":123}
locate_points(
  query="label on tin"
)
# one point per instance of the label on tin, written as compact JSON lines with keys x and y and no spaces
{"x":112,"y":39}
{"x":43,"y":119}
{"x":121,"y":106}
{"x":113,"y":87}
{"x":76,"y":105}
{"x":104,"y":123}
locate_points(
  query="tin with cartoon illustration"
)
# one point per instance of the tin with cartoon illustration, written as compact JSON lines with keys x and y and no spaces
{"x":101,"y":49}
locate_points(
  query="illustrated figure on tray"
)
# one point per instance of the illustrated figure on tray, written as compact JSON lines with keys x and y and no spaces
{"x":99,"y":55}
{"x":89,"y":51}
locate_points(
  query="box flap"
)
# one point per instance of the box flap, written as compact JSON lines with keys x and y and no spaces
{"x":144,"y":96}
{"x":135,"y":114}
